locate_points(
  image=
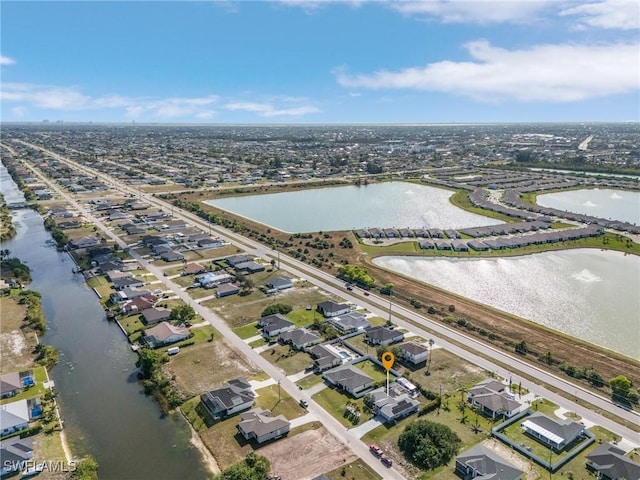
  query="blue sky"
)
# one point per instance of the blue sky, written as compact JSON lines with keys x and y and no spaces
{"x":431,"y":61}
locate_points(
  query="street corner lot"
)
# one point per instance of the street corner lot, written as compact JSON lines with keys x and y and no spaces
{"x":306,"y":455}
{"x":207,"y":365}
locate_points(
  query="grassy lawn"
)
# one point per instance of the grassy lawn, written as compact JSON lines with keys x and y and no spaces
{"x":374,"y":371}
{"x":357,"y":470}
{"x":303,"y":317}
{"x":310,"y":380}
{"x":184,"y":281}
{"x":268,"y":399}
{"x":132,"y":323}
{"x":102,"y":286}
{"x":206,"y":366}
{"x":37,"y":390}
{"x":281,"y":356}
{"x":12,"y":314}
{"x":247,"y":331}
{"x":335,"y":402}
{"x":200,"y":335}
{"x":258,"y":343}
{"x":358,"y":342}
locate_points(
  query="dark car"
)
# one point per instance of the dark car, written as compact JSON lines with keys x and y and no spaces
{"x":386,"y":461}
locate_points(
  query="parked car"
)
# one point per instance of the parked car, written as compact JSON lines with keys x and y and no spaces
{"x":376,"y":450}
{"x":386,"y":461}
{"x":304,"y":403}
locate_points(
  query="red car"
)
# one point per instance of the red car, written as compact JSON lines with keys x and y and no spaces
{"x":376,"y":450}
{"x":366,"y":294}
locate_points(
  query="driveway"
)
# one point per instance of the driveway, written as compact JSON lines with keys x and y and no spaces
{"x":366,"y":427}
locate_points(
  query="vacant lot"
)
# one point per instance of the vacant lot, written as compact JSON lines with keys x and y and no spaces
{"x":278,"y":402}
{"x":306,"y":455}
{"x":357,"y":470}
{"x":207,"y":365}
{"x":290,"y":361}
{"x":238,"y":311}
{"x":16,"y":345}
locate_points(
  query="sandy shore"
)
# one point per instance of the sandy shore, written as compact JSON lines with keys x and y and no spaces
{"x":208,"y":459}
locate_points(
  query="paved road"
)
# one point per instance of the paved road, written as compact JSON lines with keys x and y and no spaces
{"x":328,"y":421}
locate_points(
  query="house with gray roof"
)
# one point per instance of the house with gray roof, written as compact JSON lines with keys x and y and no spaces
{"x":14,"y":417}
{"x":395,"y":406}
{"x":482,"y":463}
{"x":226,"y":289}
{"x":383,"y":335}
{"x":234,"y":397}
{"x":152,"y":316}
{"x":275,"y":324}
{"x":15,"y":452}
{"x":234,"y":260}
{"x":299,"y":338}
{"x":609,"y":463}
{"x":350,"y":379}
{"x":259,"y":425}
{"x":553,"y":433}
{"x":278,"y":284}
{"x":414,"y":353}
{"x":332,"y":309}
{"x":12,"y":383}
{"x":350,"y":322}
{"x":250,"y":267}
{"x":491,"y":397}
{"x":324,"y":358}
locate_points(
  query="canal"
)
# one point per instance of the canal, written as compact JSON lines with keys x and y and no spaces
{"x":104,"y":410}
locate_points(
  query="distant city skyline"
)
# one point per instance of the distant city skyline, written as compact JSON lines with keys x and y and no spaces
{"x":320,"y":61}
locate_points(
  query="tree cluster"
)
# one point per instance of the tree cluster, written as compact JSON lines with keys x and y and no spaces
{"x":356,"y":274}
{"x":428,"y":445}
{"x":253,"y":467}
{"x":281,"y":308}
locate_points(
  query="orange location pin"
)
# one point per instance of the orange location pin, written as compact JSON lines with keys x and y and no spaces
{"x":387,"y":360}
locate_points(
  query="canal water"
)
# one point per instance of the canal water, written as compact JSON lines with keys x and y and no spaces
{"x":104,"y":410}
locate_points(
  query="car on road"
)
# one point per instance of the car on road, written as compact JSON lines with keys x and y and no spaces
{"x":304,"y":403}
{"x":376,"y":450}
{"x":386,"y":461}
{"x":366,"y":294}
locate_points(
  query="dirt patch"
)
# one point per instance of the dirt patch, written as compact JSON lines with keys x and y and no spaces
{"x":312,"y":452}
{"x":16,"y":350}
{"x":203,"y":367}
{"x":513,"y":457}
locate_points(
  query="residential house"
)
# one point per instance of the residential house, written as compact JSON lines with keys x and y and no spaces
{"x":12,"y":383}
{"x":211,"y":279}
{"x":151,"y":316}
{"x":554,"y":433}
{"x":227,"y":400}
{"x":84,"y":242}
{"x":15,"y":452}
{"x":332,"y":309}
{"x":609,"y":463}
{"x":383,"y":335}
{"x":259,"y":425}
{"x":482,"y":463}
{"x":325,"y":357}
{"x":165,"y":333}
{"x":139,"y":304}
{"x":171,"y":256}
{"x":414,"y":353}
{"x":278,"y":283}
{"x":300,"y":338}
{"x":492,"y":398}
{"x":128,"y":293}
{"x":127,"y":281}
{"x":226,"y":289}
{"x":234,"y":260}
{"x":274,"y":325}
{"x":15,"y":416}
{"x":193,"y":269}
{"x":249,"y":267}
{"x":395,"y":406}
{"x":350,"y":322}
{"x":350,"y":379}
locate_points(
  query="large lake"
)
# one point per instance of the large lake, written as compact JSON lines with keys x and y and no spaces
{"x":384,"y":205}
{"x":586,"y":293}
{"x":610,"y":204}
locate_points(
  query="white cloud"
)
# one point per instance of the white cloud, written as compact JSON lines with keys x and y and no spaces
{"x":610,"y":14}
{"x":269,"y":110}
{"x":310,"y":6}
{"x":553,"y":73}
{"x":6,"y":60}
{"x":475,"y":11}
{"x":19,"y":111}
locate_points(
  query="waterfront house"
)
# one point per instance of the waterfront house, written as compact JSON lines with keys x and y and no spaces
{"x":350,"y":379}
{"x":14,"y":417}
{"x":84,"y":242}
{"x":165,"y":333}
{"x":12,"y":383}
{"x":139,"y":304}
{"x":151,"y":316}
{"x":128,"y":293}
{"x":609,"y":463}
{"x":259,"y":425}
{"x":553,"y":433}
{"x":234,"y":397}
{"x":126,"y":281}
{"x":481,"y":462}
{"x":15,"y":452}
{"x":383,"y":335}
